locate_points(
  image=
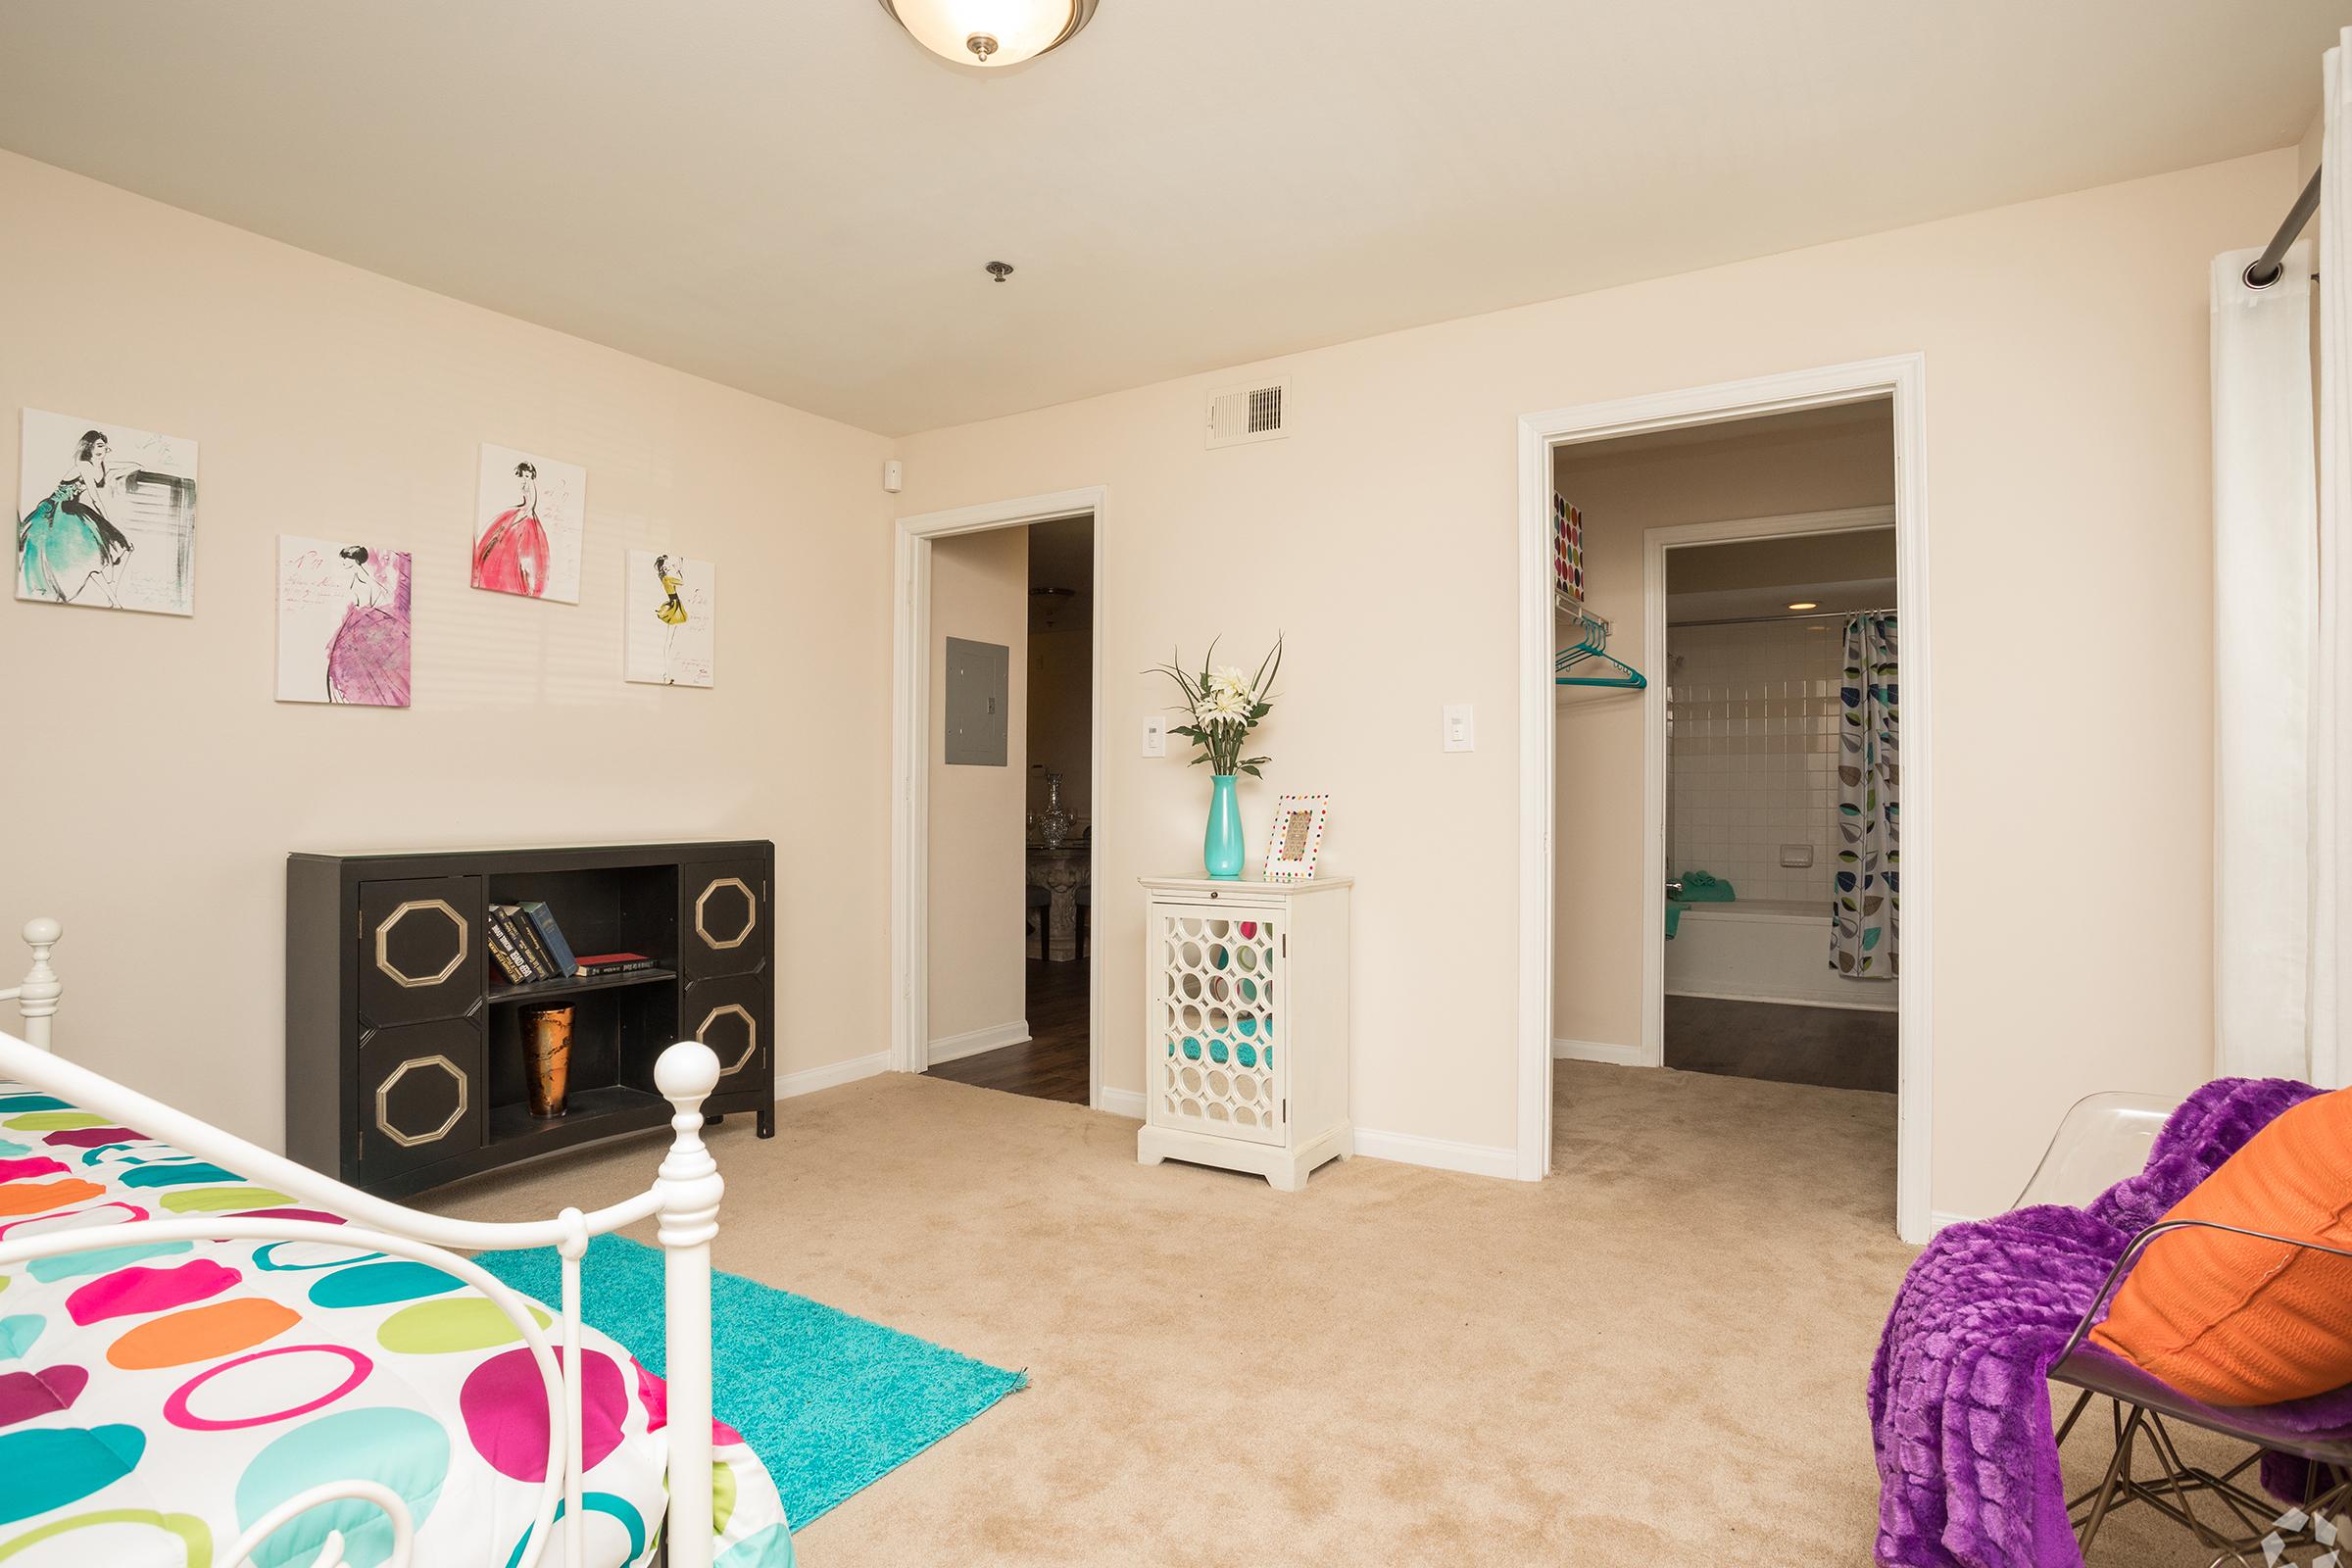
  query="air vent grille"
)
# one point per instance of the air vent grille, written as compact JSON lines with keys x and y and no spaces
{"x":1245,"y":413}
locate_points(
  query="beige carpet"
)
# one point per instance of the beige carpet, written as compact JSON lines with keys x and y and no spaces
{"x":1658,"y":1356}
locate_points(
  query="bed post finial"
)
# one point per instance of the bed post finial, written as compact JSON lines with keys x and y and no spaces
{"x":690,"y":1188}
{"x":37,"y":997}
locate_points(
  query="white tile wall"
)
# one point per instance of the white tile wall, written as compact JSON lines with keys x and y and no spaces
{"x":1751,"y":752}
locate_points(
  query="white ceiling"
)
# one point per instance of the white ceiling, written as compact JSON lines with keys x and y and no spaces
{"x":789,"y":196}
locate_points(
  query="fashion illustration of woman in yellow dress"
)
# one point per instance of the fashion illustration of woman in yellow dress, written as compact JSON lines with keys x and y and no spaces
{"x":671,"y":610}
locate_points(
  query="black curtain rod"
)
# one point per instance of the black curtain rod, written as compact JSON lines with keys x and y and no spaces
{"x":2265,"y":268}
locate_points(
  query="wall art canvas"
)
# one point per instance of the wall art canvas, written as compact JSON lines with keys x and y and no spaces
{"x":106,"y":515}
{"x":672,"y":635}
{"x":342,"y":624}
{"x":527,"y":522}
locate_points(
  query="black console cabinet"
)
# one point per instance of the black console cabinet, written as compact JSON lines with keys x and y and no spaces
{"x":403,"y":1056}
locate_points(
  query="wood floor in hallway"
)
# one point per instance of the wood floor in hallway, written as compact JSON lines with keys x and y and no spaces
{"x":1051,"y":1064}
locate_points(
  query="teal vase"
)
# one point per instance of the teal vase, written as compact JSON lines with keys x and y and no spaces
{"x":1221,"y":845}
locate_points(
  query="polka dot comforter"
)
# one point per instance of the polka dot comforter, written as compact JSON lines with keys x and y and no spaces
{"x":156,"y":1399}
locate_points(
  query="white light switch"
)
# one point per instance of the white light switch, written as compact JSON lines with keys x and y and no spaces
{"x":1461,"y":729}
{"x":1156,"y":736}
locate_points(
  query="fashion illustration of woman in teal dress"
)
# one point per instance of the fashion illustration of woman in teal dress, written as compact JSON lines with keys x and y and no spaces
{"x":67,"y":540}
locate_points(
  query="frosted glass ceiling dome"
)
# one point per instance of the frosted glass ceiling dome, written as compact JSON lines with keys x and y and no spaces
{"x":991,"y":32}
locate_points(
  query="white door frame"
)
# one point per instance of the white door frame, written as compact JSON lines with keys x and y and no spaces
{"x":1902,"y":378}
{"x":1656,"y":543}
{"x":910,"y":762}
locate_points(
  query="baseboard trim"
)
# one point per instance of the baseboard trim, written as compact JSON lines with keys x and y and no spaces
{"x":972,"y":1041}
{"x":1938,"y":1219}
{"x":1438,"y":1154}
{"x":1607,"y":1050}
{"x":1791,"y":1002}
{"x":808,"y":1080}
{"x":1127,"y":1103}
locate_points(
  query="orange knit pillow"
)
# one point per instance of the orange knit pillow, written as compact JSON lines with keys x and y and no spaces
{"x":2232,"y":1320}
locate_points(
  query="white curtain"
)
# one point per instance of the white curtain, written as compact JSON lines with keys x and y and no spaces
{"x":2265,"y":615}
{"x":2332,"y":733}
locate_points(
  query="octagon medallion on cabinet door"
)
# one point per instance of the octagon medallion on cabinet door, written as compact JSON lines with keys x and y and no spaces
{"x":722,"y":918}
{"x":420,"y":949}
{"x":420,"y":1095}
{"x":730,"y":1014}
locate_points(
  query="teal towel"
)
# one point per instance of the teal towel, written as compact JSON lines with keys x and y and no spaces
{"x":1674,"y":918}
{"x":1705,"y":887}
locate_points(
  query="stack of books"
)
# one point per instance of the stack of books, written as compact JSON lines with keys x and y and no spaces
{"x":528,"y":944}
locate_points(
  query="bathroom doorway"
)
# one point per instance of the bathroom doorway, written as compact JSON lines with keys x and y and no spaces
{"x":1782,"y":859}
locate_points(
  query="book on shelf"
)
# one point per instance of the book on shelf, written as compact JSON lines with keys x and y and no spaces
{"x":501,"y":944}
{"x":551,"y":935}
{"x":527,"y":937}
{"x":592,"y":964}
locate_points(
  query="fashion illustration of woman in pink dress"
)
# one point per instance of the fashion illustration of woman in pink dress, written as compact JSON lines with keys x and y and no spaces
{"x":367,"y":661}
{"x":512,"y":557}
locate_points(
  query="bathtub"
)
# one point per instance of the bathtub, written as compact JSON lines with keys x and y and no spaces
{"x":1765,"y":950}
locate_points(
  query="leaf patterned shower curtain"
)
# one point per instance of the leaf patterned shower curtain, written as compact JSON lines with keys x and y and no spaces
{"x":1862,"y":920}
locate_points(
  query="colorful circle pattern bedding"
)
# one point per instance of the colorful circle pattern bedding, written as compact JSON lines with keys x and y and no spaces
{"x":156,"y":1399}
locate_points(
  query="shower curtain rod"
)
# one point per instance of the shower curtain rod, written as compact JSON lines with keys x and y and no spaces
{"x":2264,"y":270}
{"x":1750,"y":620}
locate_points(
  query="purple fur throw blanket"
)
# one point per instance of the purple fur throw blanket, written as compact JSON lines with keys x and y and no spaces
{"x":1959,"y":1401}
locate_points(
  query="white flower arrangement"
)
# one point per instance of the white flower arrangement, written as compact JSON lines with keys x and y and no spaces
{"x":1224,"y":706}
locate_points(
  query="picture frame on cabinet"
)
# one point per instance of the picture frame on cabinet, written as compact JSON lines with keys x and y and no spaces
{"x":1297,"y":842}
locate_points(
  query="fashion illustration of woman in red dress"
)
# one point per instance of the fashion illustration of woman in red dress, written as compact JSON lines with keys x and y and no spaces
{"x":512,"y":557}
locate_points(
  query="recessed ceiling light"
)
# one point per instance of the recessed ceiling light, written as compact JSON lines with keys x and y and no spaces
{"x":991,"y":32}
{"x":1804,"y":604}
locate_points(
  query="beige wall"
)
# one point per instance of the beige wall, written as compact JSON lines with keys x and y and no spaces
{"x":1598,"y":857}
{"x":154,"y":788}
{"x":980,"y":593}
{"x":2067,"y":440}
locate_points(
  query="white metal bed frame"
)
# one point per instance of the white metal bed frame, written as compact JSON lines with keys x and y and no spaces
{"x":684,"y":1198}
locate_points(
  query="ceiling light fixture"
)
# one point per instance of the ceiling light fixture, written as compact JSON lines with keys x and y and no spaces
{"x":1804,"y":604}
{"x":991,"y":32}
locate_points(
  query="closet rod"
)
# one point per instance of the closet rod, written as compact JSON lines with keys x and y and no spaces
{"x":1752,"y":620}
{"x":2264,"y":270}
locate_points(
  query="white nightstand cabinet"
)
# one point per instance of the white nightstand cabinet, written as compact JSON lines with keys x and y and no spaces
{"x":1245,"y":1025}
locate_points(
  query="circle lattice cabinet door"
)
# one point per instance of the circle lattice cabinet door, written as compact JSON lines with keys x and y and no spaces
{"x":420,"y":949}
{"x":1217,"y":1023}
{"x":420,"y":1095}
{"x":722,"y":917}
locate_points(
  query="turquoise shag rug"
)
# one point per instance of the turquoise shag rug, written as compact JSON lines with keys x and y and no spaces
{"x":829,"y":1403}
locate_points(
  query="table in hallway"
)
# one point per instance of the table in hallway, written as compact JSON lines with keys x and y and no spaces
{"x":1062,"y":872}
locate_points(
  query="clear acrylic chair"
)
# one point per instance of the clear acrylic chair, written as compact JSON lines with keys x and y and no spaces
{"x":2101,"y":1141}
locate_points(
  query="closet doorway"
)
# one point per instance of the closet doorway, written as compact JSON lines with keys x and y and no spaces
{"x":993,"y":821}
{"x":1729,"y":506}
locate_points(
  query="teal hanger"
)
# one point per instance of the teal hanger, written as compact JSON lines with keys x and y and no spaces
{"x":1591,"y":647}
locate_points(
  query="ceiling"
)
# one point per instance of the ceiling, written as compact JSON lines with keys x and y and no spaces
{"x":1061,"y":574}
{"x":791,"y":197}
{"x":1834,"y":572}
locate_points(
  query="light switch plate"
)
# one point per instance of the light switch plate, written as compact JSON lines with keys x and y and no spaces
{"x":1156,"y":736}
{"x":1461,"y":729}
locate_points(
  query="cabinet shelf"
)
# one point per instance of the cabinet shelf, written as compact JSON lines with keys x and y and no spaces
{"x":593,"y":1114}
{"x":545,"y":990}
